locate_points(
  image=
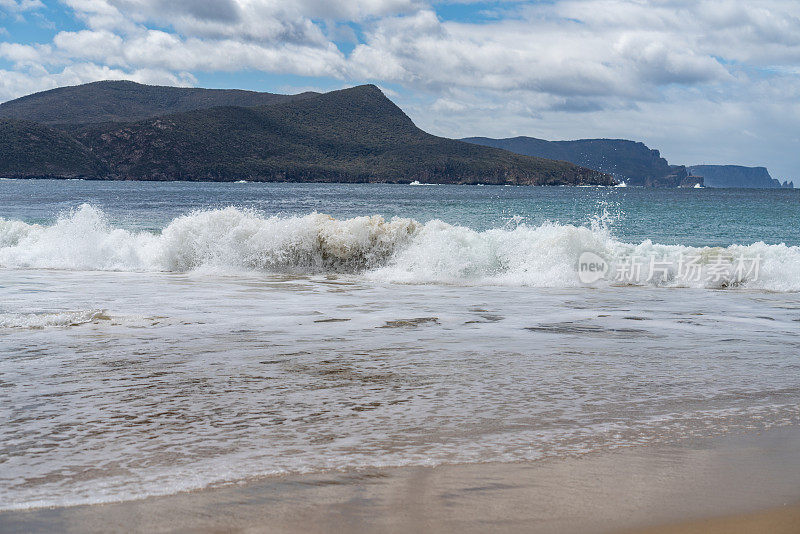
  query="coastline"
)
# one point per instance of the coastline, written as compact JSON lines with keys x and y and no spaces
{"x":745,"y":481}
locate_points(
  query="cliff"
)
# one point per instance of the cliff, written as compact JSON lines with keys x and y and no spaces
{"x":736,"y":176}
{"x":628,"y":161}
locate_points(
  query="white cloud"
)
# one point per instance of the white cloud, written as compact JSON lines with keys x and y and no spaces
{"x":88,"y":44}
{"x":448,"y":105}
{"x":15,"y":83}
{"x":24,"y":55}
{"x":18,"y":6}
{"x":544,"y":51}
{"x":261,"y":20}
{"x":161,"y":50}
{"x":587,"y":53}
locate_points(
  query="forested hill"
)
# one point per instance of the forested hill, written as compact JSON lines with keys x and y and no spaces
{"x":121,"y":101}
{"x":351,"y":135}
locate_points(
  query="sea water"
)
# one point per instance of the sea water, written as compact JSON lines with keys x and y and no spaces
{"x":161,"y":337}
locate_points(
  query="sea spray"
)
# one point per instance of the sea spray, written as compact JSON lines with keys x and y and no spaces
{"x":230,"y":237}
{"x":314,"y":243}
{"x":399,"y":250}
{"x":533,"y":256}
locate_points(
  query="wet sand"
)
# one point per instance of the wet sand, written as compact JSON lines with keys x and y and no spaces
{"x":748,"y":482}
{"x":783,"y":520}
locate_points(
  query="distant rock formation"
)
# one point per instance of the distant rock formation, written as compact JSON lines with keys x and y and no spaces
{"x":627,"y":161}
{"x":681,"y":175}
{"x":736,"y":176}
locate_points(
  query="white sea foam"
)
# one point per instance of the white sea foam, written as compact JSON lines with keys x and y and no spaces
{"x":46,"y":319}
{"x":397,"y":250}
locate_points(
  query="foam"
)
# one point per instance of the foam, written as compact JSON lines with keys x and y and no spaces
{"x":44,"y":319}
{"x":398,"y":250}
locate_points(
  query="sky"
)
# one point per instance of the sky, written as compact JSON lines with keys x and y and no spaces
{"x":704,"y":81}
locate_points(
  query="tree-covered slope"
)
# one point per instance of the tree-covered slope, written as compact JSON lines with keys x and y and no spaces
{"x":350,"y":135}
{"x":28,"y":149}
{"x":119,"y":101}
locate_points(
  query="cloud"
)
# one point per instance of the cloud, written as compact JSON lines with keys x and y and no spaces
{"x":545,"y":50}
{"x":234,"y":11}
{"x":87,"y":44}
{"x":18,"y":6}
{"x":255,"y":20}
{"x":23,"y":54}
{"x":156,"y":49}
{"x":587,"y":53}
{"x":659,"y":62}
{"x":219,"y":10}
{"x":15,"y":82}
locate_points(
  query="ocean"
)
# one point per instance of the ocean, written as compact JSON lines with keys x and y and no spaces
{"x":163,"y":337}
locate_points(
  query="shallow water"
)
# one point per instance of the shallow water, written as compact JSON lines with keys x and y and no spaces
{"x":147,"y":353}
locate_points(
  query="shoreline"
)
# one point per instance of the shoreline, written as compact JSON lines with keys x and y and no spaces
{"x":741,"y":479}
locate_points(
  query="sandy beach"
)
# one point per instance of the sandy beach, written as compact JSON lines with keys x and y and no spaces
{"x":738,"y":483}
{"x":783,"y":520}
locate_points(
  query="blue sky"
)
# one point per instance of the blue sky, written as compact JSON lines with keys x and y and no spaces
{"x":705,"y":81}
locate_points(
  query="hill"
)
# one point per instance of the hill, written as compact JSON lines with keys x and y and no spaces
{"x":120,"y":101}
{"x":736,"y":176}
{"x":352,"y":135}
{"x":36,"y":150}
{"x":628,"y":161}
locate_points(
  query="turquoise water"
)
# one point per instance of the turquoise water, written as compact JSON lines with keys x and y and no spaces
{"x":690,"y":217}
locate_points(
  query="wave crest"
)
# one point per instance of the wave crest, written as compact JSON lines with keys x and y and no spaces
{"x":229,"y":237}
{"x":397,"y":250}
{"x":312,"y":243}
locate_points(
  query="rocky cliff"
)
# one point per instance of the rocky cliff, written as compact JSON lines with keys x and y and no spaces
{"x":628,"y":161}
{"x":736,"y":176}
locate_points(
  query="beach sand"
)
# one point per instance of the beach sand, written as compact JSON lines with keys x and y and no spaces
{"x":744,"y":483}
{"x":783,"y":520}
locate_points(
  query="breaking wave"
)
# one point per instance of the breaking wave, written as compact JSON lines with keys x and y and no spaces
{"x":397,"y":250}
